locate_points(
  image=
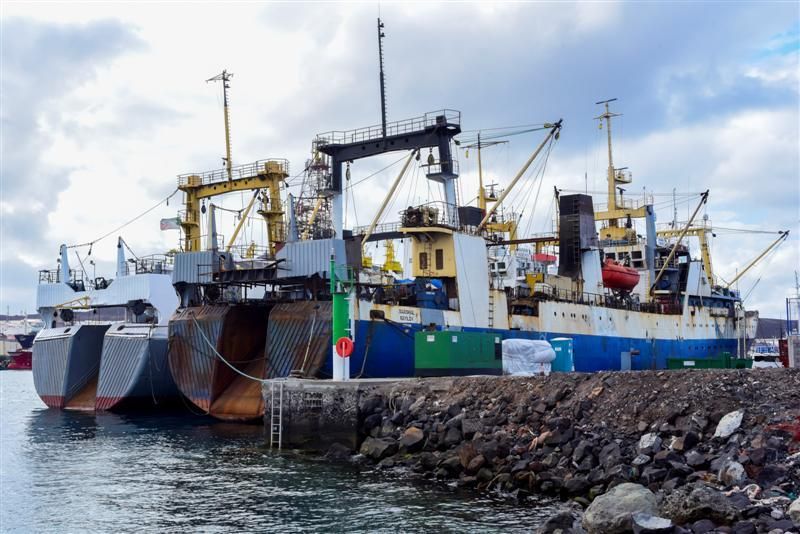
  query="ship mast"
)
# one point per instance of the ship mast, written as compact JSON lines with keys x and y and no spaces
{"x":225,"y":77}
{"x":612,"y":186}
{"x":381,"y":35}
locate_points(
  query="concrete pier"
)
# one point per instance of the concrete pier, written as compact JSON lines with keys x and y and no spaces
{"x":318,"y":413}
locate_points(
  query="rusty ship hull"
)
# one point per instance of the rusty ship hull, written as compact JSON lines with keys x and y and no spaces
{"x":219,"y":353}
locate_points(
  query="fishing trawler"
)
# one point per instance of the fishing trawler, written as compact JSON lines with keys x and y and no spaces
{"x":625,"y":294}
{"x":82,"y":362}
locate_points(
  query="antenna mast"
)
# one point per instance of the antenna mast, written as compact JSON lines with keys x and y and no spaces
{"x":381,"y":35}
{"x":612,"y":194}
{"x":225,"y":77}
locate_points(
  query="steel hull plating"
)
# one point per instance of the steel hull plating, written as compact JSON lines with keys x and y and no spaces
{"x":298,"y":338}
{"x":66,"y":362}
{"x":198,"y":336}
{"x":133,"y":369}
{"x":603,"y":338}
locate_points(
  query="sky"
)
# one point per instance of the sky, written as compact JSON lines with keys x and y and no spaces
{"x":104,"y":104}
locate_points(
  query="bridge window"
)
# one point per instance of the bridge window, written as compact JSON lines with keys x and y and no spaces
{"x":439,"y":259}
{"x":423,"y":260}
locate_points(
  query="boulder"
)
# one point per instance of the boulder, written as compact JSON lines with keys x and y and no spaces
{"x":561,"y":522}
{"x":583,"y":448}
{"x":378,"y":449}
{"x":455,"y":421}
{"x":610,"y":455}
{"x":696,"y":459}
{"x":650,"y":524}
{"x":611,"y":512}
{"x":412,"y":439}
{"x":416,"y":406}
{"x":696,"y":501}
{"x":729,"y":424}
{"x":475,"y":464}
{"x":338,"y":452}
{"x":469,"y":427}
{"x":466,"y":452}
{"x":649,"y":443}
{"x":576,"y":485}
{"x":731,"y":474}
{"x":743,"y":527}
{"x":703,"y":526}
{"x":452,"y":464}
{"x":794,"y":511}
{"x":452,"y":437}
{"x":559,"y":436}
{"x":770,"y":475}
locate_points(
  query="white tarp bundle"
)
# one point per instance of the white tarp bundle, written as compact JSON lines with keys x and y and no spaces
{"x":527,"y":357}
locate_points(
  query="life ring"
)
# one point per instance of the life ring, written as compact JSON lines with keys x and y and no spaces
{"x":344,"y":347}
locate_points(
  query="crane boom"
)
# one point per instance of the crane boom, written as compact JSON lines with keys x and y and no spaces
{"x":554,"y":130}
{"x":783,"y":235}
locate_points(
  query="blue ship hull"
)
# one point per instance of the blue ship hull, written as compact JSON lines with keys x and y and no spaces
{"x":389,"y":349}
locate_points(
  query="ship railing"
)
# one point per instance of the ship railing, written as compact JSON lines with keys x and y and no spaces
{"x":249,"y":252}
{"x":435,"y":168}
{"x":680,"y":225}
{"x":665,"y":307}
{"x":627,"y":204}
{"x":437,"y":213}
{"x":389,"y":227}
{"x":660,"y":262}
{"x":153,"y":264}
{"x":406,"y":126}
{"x":53,"y":276}
{"x":247,"y":170}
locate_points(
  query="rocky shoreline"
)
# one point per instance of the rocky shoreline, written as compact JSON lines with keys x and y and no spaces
{"x":654,"y":451}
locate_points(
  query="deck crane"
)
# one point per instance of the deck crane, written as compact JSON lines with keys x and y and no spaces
{"x":503,"y":226}
{"x":261,"y":175}
{"x":782,"y":237}
{"x":701,"y":234}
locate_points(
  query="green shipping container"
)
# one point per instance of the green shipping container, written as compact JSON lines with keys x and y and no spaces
{"x":723,"y":362}
{"x":454,"y":353}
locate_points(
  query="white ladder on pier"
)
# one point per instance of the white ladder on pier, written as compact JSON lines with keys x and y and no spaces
{"x":276,"y":414}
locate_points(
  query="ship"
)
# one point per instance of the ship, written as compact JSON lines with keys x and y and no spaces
{"x":627,"y":298}
{"x":104,"y":345}
{"x":626,"y":293}
{"x":21,"y":359}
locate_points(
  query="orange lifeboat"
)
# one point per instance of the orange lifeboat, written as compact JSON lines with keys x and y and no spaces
{"x":617,"y":276}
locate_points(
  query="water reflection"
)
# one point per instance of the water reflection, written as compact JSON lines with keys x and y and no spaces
{"x":76,"y":472}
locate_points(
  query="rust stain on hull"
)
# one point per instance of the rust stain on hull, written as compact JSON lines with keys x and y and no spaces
{"x":298,"y":338}
{"x":238,"y":334}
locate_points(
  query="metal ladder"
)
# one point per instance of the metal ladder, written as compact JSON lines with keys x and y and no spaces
{"x":491,"y":307}
{"x":276,"y":415}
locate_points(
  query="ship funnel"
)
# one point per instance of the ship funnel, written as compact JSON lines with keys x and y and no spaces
{"x":64,"y":264}
{"x":121,"y":265}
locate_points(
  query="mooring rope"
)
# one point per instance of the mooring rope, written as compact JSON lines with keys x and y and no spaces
{"x":226,"y":362}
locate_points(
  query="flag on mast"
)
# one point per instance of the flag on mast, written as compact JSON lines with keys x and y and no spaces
{"x":172,"y":223}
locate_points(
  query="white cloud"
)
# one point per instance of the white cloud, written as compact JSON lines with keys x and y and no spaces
{"x":109,"y":143}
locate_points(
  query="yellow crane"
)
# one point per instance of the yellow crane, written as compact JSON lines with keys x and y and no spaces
{"x":263,"y":174}
{"x":783,"y":235}
{"x":701,"y":234}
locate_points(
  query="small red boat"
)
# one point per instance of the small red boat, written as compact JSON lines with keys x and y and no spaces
{"x":617,"y":276}
{"x":21,"y":360}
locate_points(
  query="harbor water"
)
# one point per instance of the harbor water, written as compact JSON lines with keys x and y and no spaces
{"x":78,"y":472}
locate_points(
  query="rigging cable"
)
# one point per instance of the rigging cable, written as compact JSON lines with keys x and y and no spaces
{"x":120,"y":227}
